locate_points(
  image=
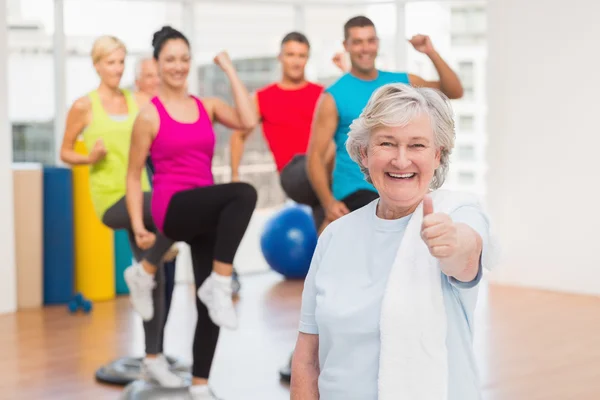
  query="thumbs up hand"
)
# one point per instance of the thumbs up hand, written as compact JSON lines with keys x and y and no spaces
{"x":438,"y":232}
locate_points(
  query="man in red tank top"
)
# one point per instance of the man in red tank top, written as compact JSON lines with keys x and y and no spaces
{"x":286,"y":111}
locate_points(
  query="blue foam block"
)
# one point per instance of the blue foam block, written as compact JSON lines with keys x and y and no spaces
{"x":59,"y":252}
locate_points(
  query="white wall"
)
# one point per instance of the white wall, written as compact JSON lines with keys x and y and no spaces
{"x":33,"y":99}
{"x":544,"y":141}
{"x":8,"y":299}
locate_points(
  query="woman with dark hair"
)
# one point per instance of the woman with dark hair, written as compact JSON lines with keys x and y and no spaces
{"x":176,"y":129}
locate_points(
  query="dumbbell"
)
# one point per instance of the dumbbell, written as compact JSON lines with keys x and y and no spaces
{"x":77,"y":302}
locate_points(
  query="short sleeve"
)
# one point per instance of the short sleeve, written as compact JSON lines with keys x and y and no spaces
{"x":308,"y":324}
{"x":401,"y":77}
{"x":476,"y":219}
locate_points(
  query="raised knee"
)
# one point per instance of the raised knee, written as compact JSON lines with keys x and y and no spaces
{"x":247,"y":192}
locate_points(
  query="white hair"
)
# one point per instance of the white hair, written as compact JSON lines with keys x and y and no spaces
{"x":395,"y":105}
{"x":140,"y":61}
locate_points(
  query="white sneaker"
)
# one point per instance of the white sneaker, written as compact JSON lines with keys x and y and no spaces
{"x":140,"y":285}
{"x":221,"y":309}
{"x":158,"y":370}
{"x":205,"y":292}
{"x":202,"y":392}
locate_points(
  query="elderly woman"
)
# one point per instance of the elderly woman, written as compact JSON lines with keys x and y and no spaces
{"x":388,"y":303}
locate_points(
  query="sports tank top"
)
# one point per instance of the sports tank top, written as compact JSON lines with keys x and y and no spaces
{"x":182,"y":157}
{"x":286,"y":119}
{"x":108,"y":176}
{"x":351,"y":95}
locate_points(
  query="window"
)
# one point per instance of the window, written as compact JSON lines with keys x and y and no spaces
{"x":459,"y":19}
{"x":466,"y":152}
{"x":469,"y":25}
{"x":466,"y":177}
{"x":466,"y":124}
{"x":33,"y":142}
{"x":468,"y":94}
{"x":462,"y":27}
{"x":466,"y":72}
{"x":468,"y":20}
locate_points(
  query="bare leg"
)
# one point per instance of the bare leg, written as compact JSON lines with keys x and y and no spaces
{"x":222,"y":268}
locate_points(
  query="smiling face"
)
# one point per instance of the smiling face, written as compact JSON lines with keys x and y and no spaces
{"x":402,"y":161}
{"x":174,"y":63}
{"x":110,"y":68}
{"x":362,"y":45}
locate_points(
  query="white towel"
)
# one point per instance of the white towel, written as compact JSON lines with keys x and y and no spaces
{"x":413,"y":357}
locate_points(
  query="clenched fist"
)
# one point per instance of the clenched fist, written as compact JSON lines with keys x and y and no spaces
{"x":144,"y":239}
{"x":98,"y":152}
{"x":223,"y":61}
{"x":336,"y":209}
{"x":341,"y":61}
{"x":438,"y":232}
{"x":422,"y":44}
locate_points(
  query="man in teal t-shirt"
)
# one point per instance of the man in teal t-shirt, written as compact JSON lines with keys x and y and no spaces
{"x":343,"y":102}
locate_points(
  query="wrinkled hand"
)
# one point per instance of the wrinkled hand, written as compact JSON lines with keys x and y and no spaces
{"x":144,"y":239}
{"x":341,"y":61}
{"x":438,"y":231}
{"x":336,"y":209}
{"x":422,"y":44}
{"x":98,"y":152}
{"x":223,"y":61}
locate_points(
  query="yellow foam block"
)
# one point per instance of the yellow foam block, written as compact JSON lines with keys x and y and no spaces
{"x":94,"y":248}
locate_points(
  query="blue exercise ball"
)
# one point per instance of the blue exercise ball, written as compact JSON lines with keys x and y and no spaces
{"x":288,"y":241}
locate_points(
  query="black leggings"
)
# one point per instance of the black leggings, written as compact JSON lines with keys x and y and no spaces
{"x":213,"y":221}
{"x":117,"y":217}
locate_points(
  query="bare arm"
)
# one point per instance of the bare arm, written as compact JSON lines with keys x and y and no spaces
{"x":243,"y":115}
{"x":236,"y":146}
{"x":449,"y":82}
{"x":305,"y":368}
{"x":323,"y":129}
{"x":144,"y":130}
{"x":77,"y":119}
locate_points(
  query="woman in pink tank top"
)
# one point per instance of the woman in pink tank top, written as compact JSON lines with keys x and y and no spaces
{"x":177,"y":130}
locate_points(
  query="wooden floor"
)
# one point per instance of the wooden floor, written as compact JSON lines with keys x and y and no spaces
{"x":531,"y":345}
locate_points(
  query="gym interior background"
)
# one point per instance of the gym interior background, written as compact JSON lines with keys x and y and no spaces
{"x":526,"y":143}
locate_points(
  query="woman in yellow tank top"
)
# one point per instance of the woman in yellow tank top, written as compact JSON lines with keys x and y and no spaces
{"x":104,"y":118}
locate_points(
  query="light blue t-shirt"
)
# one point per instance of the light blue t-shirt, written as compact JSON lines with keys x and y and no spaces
{"x":351,"y":95}
{"x":342,"y":300}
